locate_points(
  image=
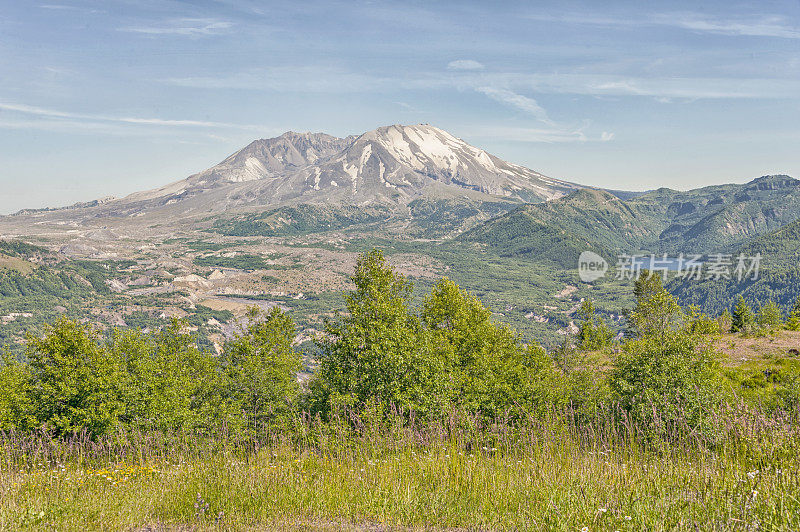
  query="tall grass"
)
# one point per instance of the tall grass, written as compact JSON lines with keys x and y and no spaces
{"x":557,"y":473}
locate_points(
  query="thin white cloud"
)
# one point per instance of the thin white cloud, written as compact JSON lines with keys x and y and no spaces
{"x":465,"y":64}
{"x":66,"y":7}
{"x":554,"y":133}
{"x":94,"y":118}
{"x":190,"y":27}
{"x":681,"y":88}
{"x":754,"y":26}
{"x":535,"y":135}
{"x":765,"y":26}
{"x":523,"y":103}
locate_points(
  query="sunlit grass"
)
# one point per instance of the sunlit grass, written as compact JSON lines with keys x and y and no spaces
{"x":531,"y":479}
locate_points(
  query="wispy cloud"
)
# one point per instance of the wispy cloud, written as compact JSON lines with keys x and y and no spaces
{"x":535,"y":135}
{"x":67,"y":7}
{"x":764,"y":26}
{"x":465,"y":64}
{"x":523,"y":103}
{"x":754,"y":26}
{"x":554,"y":133}
{"x":89,"y":119}
{"x":190,"y":27}
{"x":663,"y":88}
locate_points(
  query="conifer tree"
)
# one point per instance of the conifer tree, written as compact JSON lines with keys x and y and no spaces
{"x":770,"y":316}
{"x":793,"y":321}
{"x":742,"y":316}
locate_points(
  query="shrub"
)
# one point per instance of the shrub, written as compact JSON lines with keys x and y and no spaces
{"x":667,"y":378}
{"x":383,"y":356}
{"x":667,"y":383}
{"x":725,"y":321}
{"x":486,"y":368}
{"x":170,"y":384}
{"x":699,"y":323}
{"x":16,"y":407}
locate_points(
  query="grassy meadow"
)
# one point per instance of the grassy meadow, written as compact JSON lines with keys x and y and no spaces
{"x":457,"y":475}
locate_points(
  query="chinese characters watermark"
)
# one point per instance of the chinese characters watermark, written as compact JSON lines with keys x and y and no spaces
{"x":716,"y":266}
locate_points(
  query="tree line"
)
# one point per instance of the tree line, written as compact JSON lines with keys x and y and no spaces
{"x":381,"y":357}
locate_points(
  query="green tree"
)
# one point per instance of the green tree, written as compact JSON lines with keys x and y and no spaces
{"x":668,"y":382}
{"x":697,"y":322}
{"x":378,"y":353}
{"x":452,"y":354}
{"x":770,"y":316}
{"x":743,"y":317}
{"x":666,"y":377}
{"x":16,"y":405}
{"x":656,"y":310}
{"x":725,"y":321}
{"x":593,"y":334}
{"x":793,"y":321}
{"x":260,"y":369}
{"x":75,"y":380}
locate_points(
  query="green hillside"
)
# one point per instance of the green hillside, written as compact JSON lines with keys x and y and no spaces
{"x":706,"y":220}
{"x":778,"y":278}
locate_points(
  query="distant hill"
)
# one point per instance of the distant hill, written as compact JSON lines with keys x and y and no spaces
{"x":707,"y":220}
{"x":778,"y":278}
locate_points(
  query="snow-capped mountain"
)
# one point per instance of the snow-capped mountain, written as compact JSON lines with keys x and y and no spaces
{"x":389,"y":165}
{"x":411,"y":159}
{"x":394,"y":161}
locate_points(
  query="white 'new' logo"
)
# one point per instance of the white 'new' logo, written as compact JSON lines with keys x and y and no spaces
{"x":591,"y":266}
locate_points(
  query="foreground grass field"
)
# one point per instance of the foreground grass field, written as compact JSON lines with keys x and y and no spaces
{"x":533,"y":479}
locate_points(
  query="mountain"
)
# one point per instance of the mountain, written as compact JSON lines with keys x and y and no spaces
{"x":707,"y":220}
{"x":269,"y":158}
{"x":778,"y":276}
{"x":390,"y":166}
{"x":559,"y":230}
{"x":719,"y":218}
{"x":589,"y":215}
{"x":410,"y":160}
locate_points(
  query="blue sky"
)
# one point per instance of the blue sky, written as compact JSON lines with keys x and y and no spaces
{"x":105,"y":98}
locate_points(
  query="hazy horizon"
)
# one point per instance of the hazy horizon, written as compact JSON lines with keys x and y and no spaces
{"x":108,"y":98}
